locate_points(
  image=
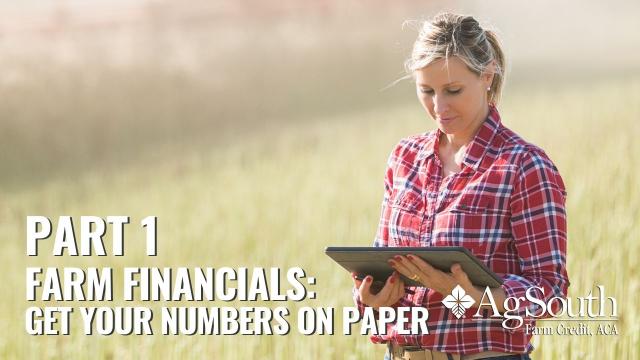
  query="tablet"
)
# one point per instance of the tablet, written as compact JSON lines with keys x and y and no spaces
{"x":373,"y":261}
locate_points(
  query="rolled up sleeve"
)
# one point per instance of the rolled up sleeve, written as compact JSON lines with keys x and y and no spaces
{"x":539,"y":229}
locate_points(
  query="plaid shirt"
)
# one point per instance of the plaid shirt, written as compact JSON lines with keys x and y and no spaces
{"x":506,"y":205}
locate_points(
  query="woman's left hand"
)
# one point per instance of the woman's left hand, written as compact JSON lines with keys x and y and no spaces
{"x":412,"y":266}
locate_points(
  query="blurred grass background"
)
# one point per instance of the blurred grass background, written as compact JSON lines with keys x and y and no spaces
{"x":258,"y":134}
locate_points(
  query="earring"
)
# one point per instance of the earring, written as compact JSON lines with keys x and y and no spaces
{"x":488,"y":88}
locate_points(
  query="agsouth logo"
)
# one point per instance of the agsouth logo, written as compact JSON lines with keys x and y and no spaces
{"x":458,"y":301}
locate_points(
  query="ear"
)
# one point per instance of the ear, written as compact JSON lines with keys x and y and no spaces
{"x":488,"y":73}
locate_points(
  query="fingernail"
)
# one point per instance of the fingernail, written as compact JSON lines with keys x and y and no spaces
{"x":369,"y":279}
{"x":392,"y":263}
{"x":411,"y":257}
{"x":392,"y":280}
{"x":398,"y":258}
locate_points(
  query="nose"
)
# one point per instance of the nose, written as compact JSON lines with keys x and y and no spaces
{"x":440,"y":105}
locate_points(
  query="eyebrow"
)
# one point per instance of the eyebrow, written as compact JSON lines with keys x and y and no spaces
{"x":447,"y":84}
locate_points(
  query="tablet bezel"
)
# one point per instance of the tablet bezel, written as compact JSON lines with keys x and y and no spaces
{"x":478,"y":272}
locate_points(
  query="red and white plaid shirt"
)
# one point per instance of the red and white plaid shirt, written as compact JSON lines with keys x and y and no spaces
{"x":506,"y":205}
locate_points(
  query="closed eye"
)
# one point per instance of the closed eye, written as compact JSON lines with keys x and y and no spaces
{"x":449,"y":91}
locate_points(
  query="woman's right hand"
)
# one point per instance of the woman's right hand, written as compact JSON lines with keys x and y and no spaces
{"x":391,"y":292}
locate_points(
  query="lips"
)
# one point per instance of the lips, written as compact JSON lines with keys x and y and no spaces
{"x":447,"y":119}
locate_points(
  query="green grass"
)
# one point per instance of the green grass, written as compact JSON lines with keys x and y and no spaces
{"x":277,"y":197}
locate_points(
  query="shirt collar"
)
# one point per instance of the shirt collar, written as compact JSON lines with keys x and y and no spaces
{"x":478,"y":146}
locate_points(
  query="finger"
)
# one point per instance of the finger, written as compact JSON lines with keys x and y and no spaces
{"x":424,"y":266}
{"x":461,"y":277}
{"x":399,"y":264}
{"x":412,"y":268}
{"x":356,"y":281}
{"x":389,"y":287}
{"x":410,"y":273}
{"x":374,"y":299}
{"x":364,"y":289}
{"x":394,"y":281}
{"x":399,"y":289}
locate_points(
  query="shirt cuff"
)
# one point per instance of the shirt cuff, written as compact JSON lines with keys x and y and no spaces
{"x":516,"y":286}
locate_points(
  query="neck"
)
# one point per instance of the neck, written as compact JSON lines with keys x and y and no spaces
{"x":465,"y":136}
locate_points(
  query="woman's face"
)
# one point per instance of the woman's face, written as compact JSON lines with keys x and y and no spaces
{"x":455,"y":97}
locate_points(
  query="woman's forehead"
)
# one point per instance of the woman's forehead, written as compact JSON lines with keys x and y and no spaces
{"x":444,"y":72}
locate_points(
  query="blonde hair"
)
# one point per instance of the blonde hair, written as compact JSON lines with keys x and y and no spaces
{"x":449,"y":35}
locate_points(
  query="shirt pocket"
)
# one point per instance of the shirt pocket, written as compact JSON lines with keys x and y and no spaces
{"x":407,"y":218}
{"x":484,"y":227}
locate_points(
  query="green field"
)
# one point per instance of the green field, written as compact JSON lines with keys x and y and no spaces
{"x":279,"y":195}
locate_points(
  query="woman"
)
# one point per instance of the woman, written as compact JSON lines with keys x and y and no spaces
{"x":474,"y":183}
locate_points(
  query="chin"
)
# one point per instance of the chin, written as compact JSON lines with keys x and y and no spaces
{"x":449,"y":130}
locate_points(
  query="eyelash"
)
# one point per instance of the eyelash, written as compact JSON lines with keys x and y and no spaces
{"x":452,"y":92}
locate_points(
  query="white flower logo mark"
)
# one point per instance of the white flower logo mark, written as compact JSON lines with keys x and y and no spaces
{"x":458,"y":301}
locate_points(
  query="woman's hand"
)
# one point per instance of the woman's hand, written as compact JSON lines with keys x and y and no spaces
{"x":391,"y":292}
{"x":411,"y":266}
